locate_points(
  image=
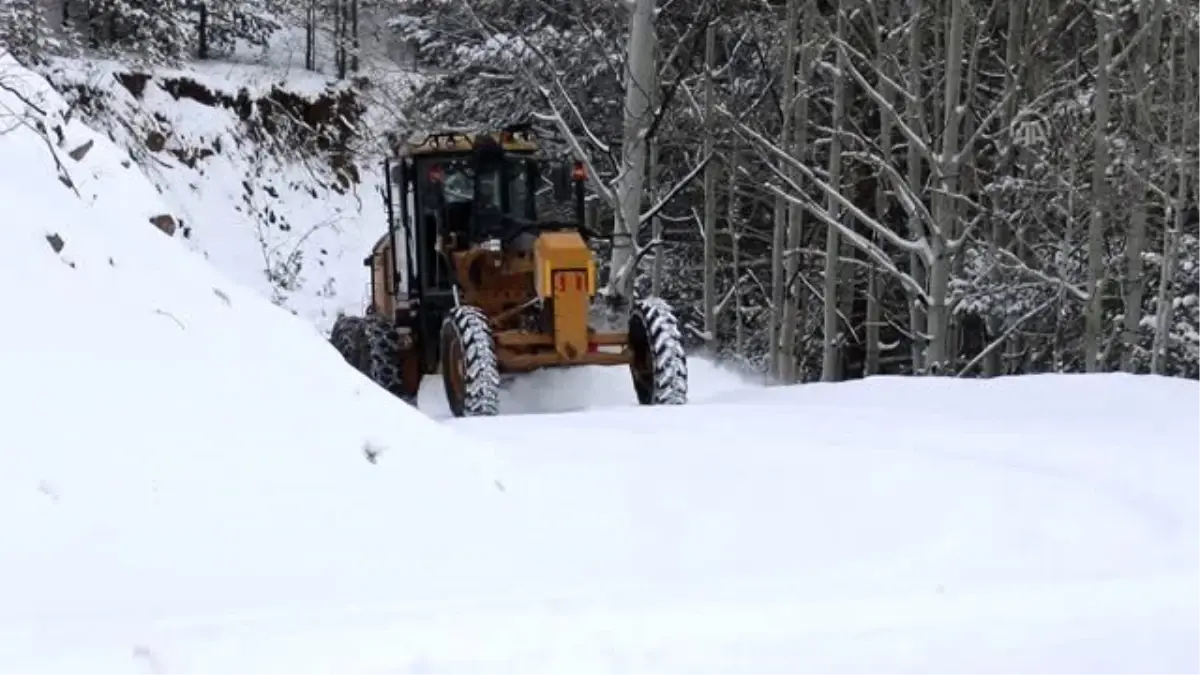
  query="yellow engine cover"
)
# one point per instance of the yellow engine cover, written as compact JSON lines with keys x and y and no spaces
{"x":566,"y":275}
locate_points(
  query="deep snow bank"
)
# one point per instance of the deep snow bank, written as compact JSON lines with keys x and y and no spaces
{"x":170,"y":438}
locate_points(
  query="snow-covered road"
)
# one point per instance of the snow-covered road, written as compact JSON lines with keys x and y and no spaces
{"x":889,"y":525}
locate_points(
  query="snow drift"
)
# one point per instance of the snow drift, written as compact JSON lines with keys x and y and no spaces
{"x":168,"y":437}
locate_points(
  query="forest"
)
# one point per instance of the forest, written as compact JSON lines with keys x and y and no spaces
{"x":824,"y":189}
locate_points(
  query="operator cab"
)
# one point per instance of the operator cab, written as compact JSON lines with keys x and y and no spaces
{"x":452,"y":191}
{"x":480,"y":197}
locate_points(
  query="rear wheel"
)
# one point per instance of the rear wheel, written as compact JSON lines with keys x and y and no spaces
{"x":470,"y":370}
{"x":348,"y":336}
{"x":659,"y":365}
{"x":372,"y":345}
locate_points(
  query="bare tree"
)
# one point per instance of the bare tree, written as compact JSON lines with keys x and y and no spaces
{"x":1178,"y":80}
{"x":779,"y":295}
{"x":795,"y":230}
{"x":875,"y":281}
{"x":639,"y":79}
{"x":710,"y":192}
{"x":1147,"y":52}
{"x":1095,"y":277}
{"x":830,"y":352}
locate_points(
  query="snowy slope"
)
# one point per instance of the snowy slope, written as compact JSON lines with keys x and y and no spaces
{"x":183,"y":489}
{"x":266,"y":210}
{"x":171,"y":444}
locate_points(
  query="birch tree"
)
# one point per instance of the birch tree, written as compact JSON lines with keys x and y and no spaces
{"x":710,"y":192}
{"x":937,"y":200}
{"x":1001,"y":235}
{"x":1147,"y":51}
{"x":883,"y":46}
{"x":639,"y":80}
{"x":1096,"y":227}
{"x":779,"y":292}
{"x":913,"y":113}
{"x":799,"y":109}
{"x":1182,"y":127}
{"x":830,"y":353}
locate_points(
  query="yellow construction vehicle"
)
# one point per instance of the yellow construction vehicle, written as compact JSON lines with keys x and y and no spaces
{"x":475,"y":281}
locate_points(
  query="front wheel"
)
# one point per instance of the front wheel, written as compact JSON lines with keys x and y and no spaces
{"x":659,"y":365}
{"x":470,"y":370}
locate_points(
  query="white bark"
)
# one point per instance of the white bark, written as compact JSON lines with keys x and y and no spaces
{"x":710,"y":193}
{"x":944,"y":205}
{"x":1165,"y":306}
{"x":776,"y":350}
{"x":639,"y":80}
{"x":795,"y":230}
{"x":874,"y":282}
{"x":1001,"y":232}
{"x":656,"y":268}
{"x":1134,"y":282}
{"x":736,"y":244}
{"x":1092,"y":327}
{"x":912,"y":109}
{"x":830,"y":351}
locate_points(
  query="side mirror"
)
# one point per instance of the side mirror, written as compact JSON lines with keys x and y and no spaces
{"x":560,"y":176}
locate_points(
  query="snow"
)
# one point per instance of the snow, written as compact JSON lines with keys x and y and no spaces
{"x":183,"y":488}
{"x":175,"y":446}
{"x":267,"y":216}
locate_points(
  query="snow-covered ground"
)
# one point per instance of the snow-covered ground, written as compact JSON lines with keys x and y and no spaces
{"x":272,"y":216}
{"x":184,"y":488}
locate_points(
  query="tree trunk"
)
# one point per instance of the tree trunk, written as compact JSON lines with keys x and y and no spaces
{"x":310,"y":35}
{"x":710,"y":193}
{"x":913,"y":113}
{"x":945,"y":206}
{"x":830,"y":346}
{"x":355,"y":45}
{"x":339,"y":37}
{"x":1134,"y":283}
{"x":1173,"y":226}
{"x":777,"y":354}
{"x":795,"y":230}
{"x":1092,"y":328}
{"x":1001,"y":237}
{"x":874,"y":279}
{"x":656,"y":265}
{"x":735,"y":237}
{"x":639,"y":78}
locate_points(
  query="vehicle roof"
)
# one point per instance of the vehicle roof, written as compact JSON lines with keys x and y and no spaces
{"x":448,"y":142}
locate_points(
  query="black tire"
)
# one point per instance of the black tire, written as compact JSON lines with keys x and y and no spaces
{"x":349,"y":337}
{"x":659,"y":366}
{"x":372,"y":345}
{"x":470,"y":371}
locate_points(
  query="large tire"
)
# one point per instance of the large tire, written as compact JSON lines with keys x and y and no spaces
{"x":659,"y":365}
{"x":349,"y":338}
{"x":372,"y":345}
{"x":470,"y":371}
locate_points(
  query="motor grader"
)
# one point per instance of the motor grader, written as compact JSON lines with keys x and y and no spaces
{"x":485,"y":271}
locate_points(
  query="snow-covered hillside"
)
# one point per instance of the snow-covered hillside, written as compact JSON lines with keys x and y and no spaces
{"x":265,"y":168}
{"x":170,"y":440}
{"x":184,"y":488}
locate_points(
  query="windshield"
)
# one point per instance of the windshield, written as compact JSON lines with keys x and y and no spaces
{"x":461,"y":180}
